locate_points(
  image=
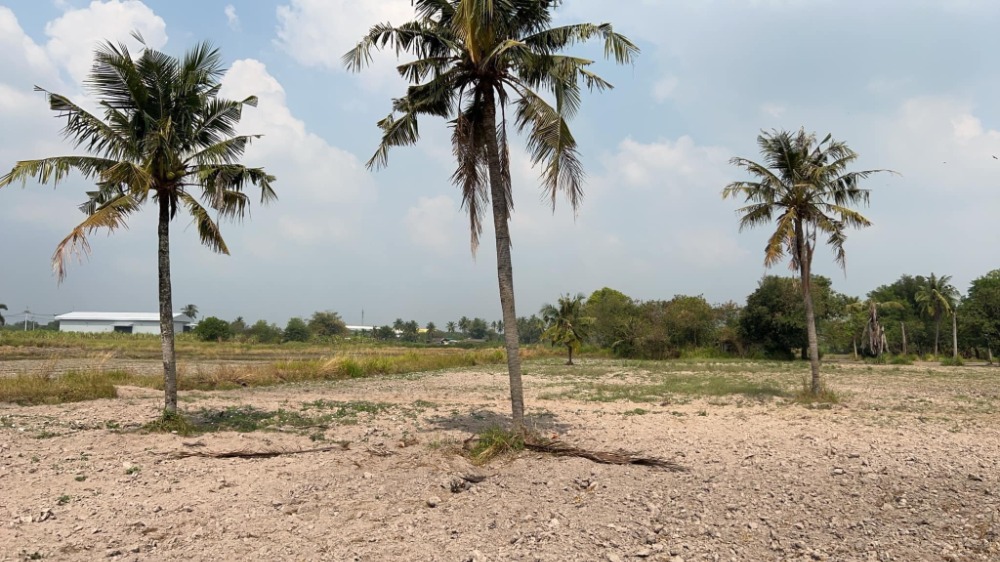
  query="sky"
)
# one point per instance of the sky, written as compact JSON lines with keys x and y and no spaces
{"x":911,"y":85}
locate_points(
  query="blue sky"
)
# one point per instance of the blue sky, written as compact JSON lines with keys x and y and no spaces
{"x":911,"y":85}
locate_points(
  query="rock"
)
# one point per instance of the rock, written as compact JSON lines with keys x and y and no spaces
{"x":554,"y":523}
{"x":613,"y":557}
{"x":368,"y":476}
{"x":644,"y":553}
{"x":676,"y":559}
{"x":433,"y":501}
{"x":838,"y":471}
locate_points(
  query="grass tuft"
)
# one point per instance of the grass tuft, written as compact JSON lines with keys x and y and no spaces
{"x":171,"y":422}
{"x":823,"y":399}
{"x":952,"y":362}
{"x":494,"y":442}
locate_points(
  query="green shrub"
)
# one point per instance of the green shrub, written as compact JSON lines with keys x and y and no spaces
{"x":213,"y":329}
{"x":952,"y":362}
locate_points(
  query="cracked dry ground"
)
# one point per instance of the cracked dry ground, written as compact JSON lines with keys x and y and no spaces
{"x":906,"y":468}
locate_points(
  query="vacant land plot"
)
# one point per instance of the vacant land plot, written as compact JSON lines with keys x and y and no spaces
{"x":905,"y":467}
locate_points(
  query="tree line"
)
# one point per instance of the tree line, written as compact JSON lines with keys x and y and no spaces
{"x":914,"y":316}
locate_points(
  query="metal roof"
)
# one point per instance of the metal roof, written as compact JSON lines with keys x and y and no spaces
{"x":120,"y":317}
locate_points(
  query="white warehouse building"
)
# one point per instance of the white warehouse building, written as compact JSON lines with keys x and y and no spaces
{"x":122,"y":322}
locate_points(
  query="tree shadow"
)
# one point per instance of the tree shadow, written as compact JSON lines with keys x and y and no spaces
{"x":478,"y":420}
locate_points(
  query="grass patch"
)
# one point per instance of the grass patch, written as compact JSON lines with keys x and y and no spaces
{"x":952,"y":362}
{"x":824,"y":399}
{"x":248,"y":419}
{"x":636,"y":412}
{"x":671,"y":384}
{"x":76,"y":386}
{"x":494,"y":442}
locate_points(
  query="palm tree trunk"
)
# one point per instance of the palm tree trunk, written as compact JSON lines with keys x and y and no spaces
{"x":902,"y":326}
{"x":937,"y":333}
{"x":166,"y":308}
{"x":505,"y":270}
{"x":815,"y":384}
{"x":570,"y":348}
{"x":954,"y":334}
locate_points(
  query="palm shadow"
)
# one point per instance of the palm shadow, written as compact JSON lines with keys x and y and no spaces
{"x":478,"y":420}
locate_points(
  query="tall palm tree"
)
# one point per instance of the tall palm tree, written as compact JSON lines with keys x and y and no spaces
{"x":565,"y":323}
{"x":451,"y":327}
{"x":474,"y":58}
{"x":190,"y":311}
{"x":165,"y":136}
{"x":806,"y":183}
{"x":3,"y":321}
{"x":937,"y":297}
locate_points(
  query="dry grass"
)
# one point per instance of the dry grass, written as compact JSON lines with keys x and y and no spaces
{"x":97,"y":382}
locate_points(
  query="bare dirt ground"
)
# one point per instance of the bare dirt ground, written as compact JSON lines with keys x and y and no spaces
{"x":906,"y":468}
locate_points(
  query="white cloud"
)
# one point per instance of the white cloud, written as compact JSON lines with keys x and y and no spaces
{"x":664,"y":88}
{"x":434,"y":224}
{"x":773,"y":109}
{"x":319,"y":32}
{"x":232,"y":18}
{"x":666,"y":165}
{"x":320,"y":187}
{"x":944,"y":146}
{"x":74,"y":35}
{"x":705,"y":248}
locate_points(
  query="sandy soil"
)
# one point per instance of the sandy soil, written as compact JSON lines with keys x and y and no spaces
{"x":906,"y":469}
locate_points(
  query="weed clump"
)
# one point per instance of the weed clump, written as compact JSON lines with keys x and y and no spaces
{"x":494,"y":442}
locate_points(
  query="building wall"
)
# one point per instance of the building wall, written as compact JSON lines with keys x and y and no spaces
{"x":103,"y":327}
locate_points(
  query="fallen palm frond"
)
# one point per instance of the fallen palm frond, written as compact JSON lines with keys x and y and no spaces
{"x":619,"y":457}
{"x":341,"y":446}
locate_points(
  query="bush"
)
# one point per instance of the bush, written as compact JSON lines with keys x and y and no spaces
{"x":902,"y":359}
{"x":296,"y":330}
{"x":952,"y":362}
{"x":213,"y":329}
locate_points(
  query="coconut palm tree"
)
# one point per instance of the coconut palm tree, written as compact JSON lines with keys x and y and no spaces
{"x":474,"y":59}
{"x":807,"y":185}
{"x":450,"y":326}
{"x":166,"y":137}
{"x":190,"y":311}
{"x":565,"y":323}
{"x":937,"y":297}
{"x":3,"y":321}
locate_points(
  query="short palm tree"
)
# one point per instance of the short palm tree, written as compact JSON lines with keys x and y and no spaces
{"x":190,"y":311}
{"x":474,"y":59}
{"x":937,"y":297}
{"x":565,"y":323}
{"x":165,"y":137}
{"x":450,"y":326}
{"x":807,"y":185}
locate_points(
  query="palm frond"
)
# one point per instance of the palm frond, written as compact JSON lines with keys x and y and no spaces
{"x":111,"y":216}
{"x":208,"y":230}
{"x":471,"y":175}
{"x":57,"y":168}
{"x":551,"y":143}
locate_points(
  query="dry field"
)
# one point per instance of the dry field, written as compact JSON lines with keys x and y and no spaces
{"x":905,"y":468}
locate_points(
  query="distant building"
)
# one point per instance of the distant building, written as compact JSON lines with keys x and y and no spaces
{"x":121,"y":322}
{"x":360,"y":328}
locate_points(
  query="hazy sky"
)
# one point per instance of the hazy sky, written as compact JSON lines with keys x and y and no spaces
{"x":911,"y":85}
